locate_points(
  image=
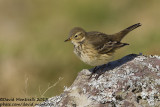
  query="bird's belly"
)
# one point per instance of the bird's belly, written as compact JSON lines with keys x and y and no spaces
{"x":96,"y":60}
{"x":92,"y":57}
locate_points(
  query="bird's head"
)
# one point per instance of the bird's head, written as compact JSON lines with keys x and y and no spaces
{"x":76,"y":35}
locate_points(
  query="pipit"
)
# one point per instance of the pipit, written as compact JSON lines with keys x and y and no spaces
{"x":96,"y":48}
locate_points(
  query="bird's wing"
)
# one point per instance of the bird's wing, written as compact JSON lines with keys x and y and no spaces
{"x":97,"y":38}
{"x":103,"y":43}
{"x":110,"y":46}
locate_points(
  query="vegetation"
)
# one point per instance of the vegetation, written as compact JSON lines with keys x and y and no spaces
{"x":33,"y":55}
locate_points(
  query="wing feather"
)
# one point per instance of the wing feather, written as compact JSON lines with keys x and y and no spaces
{"x":103,"y":43}
{"x":110,"y":46}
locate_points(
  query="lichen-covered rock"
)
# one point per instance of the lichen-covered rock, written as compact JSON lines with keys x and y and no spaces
{"x":133,"y":81}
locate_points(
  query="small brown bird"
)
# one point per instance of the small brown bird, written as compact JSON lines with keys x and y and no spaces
{"x":96,"y":48}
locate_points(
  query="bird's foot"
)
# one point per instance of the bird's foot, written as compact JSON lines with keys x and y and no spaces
{"x":98,"y":75}
{"x":100,"y":69}
{"x":93,"y":72}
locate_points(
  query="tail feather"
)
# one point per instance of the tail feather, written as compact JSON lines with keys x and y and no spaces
{"x":119,"y":36}
{"x":133,"y":26}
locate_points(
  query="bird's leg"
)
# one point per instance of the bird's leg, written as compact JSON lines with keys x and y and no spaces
{"x":94,"y":71}
{"x":101,"y":69}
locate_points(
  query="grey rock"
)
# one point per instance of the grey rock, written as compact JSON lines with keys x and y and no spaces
{"x":133,"y":81}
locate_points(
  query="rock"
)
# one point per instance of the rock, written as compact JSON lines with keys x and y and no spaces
{"x":133,"y":81}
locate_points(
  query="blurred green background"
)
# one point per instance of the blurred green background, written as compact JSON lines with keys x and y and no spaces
{"x":33,"y":55}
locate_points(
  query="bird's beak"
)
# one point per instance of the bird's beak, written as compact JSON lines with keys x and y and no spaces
{"x":67,"y":39}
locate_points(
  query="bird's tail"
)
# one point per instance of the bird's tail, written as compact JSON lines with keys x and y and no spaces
{"x":133,"y":27}
{"x":119,"y":36}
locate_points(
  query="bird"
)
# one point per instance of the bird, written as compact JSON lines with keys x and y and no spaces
{"x":96,"y":48}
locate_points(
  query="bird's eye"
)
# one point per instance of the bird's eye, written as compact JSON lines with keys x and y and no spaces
{"x":76,"y":36}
